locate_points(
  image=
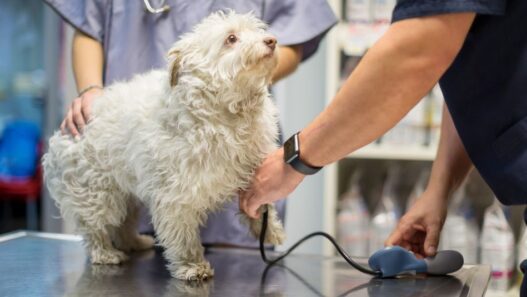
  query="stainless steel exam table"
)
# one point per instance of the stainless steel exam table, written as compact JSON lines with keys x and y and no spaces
{"x":45,"y":264}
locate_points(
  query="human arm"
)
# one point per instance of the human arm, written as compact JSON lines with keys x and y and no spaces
{"x":289,"y":58}
{"x":392,"y":77}
{"x":419,"y":229}
{"x":88,"y":61}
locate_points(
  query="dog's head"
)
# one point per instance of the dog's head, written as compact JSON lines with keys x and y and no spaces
{"x":227,"y":46}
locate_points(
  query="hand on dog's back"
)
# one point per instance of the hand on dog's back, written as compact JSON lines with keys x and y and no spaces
{"x":79,"y":113}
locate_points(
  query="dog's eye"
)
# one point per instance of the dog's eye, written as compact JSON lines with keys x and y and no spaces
{"x":232,"y":39}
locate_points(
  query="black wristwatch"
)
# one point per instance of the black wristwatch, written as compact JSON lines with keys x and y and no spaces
{"x":292,"y":156}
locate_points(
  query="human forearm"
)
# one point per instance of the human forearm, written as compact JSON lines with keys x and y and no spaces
{"x":88,"y":61}
{"x":420,"y":228}
{"x":289,"y":58}
{"x":452,"y":163}
{"x":393,"y":76}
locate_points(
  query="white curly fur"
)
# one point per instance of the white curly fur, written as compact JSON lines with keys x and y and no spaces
{"x":182,"y":142}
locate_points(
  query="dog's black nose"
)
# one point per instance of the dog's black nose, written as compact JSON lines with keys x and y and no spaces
{"x":270,"y":42}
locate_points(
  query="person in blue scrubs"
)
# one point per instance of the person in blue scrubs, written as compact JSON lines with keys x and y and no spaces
{"x":116,"y":39}
{"x":477,"y":50}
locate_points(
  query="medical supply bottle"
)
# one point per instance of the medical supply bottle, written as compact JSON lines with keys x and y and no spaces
{"x":497,"y":246}
{"x":460,"y":231}
{"x":382,"y":10}
{"x":353,"y":220}
{"x":359,"y":11}
{"x":386,"y":214}
{"x":521,"y":253}
{"x":418,"y":189}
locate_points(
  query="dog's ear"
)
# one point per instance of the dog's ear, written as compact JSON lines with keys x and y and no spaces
{"x":174,"y":60}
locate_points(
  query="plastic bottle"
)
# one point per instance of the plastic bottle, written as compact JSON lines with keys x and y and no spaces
{"x":358,"y":11}
{"x":418,"y":189}
{"x":386,"y":214}
{"x":460,"y":231}
{"x":382,"y":10}
{"x":353,"y":220}
{"x":522,"y":246}
{"x":497,"y":247}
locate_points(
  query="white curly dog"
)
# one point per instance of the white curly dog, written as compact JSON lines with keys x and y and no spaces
{"x":182,"y":142}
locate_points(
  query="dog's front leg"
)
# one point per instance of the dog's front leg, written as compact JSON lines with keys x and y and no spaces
{"x":275,"y":231}
{"x":177,"y":228}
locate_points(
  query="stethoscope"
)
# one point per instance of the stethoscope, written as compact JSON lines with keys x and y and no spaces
{"x":164,"y":7}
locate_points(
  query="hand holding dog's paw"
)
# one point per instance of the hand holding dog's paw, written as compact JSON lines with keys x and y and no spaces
{"x":272,"y":181}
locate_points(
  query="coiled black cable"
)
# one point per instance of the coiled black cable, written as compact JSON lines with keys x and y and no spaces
{"x":333,"y":241}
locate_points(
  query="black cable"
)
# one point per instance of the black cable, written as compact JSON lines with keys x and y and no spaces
{"x":333,"y":241}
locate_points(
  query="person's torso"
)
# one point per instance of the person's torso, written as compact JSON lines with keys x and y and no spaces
{"x":486,"y":92}
{"x":137,"y":40}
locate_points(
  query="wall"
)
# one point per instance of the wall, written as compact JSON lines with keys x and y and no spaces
{"x":300,"y":98}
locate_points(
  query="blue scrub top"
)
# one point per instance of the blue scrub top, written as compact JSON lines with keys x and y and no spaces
{"x":485,"y":89}
{"x":137,"y":41}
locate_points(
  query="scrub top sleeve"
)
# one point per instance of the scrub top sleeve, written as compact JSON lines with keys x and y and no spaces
{"x":300,"y":22}
{"x":87,"y":16}
{"x":405,"y":9}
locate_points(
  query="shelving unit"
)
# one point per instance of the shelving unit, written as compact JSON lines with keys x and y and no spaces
{"x":355,"y":40}
{"x":389,"y":152}
{"x":348,"y":39}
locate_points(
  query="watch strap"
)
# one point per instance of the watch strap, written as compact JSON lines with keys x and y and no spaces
{"x":293,"y":158}
{"x":302,"y":167}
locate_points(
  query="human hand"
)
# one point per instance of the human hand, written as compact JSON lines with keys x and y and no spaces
{"x":419,"y":229}
{"x":79,"y":113}
{"x":273,"y":180}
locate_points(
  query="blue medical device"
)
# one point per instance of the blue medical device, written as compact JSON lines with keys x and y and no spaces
{"x":387,"y":262}
{"x":395,"y":260}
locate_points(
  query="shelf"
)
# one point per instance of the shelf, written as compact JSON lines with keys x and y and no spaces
{"x":356,"y":39}
{"x":393,"y":152}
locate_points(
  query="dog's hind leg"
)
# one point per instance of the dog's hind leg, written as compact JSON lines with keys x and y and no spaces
{"x":126,"y":237}
{"x":100,"y":207}
{"x":99,"y":245}
{"x":177,"y":229}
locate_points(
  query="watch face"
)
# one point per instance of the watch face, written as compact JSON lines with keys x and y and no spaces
{"x":291,"y":149}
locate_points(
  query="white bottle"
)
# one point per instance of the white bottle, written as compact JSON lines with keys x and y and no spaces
{"x":497,"y":247}
{"x":460,"y":231}
{"x":382,"y":10}
{"x":353,"y":220}
{"x":386,"y":215}
{"x":358,"y":11}
{"x":522,"y":246}
{"x":418,"y":189}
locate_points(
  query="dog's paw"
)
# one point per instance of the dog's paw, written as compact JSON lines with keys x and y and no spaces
{"x":275,"y":235}
{"x":101,"y":256}
{"x":143,"y":242}
{"x":193,"y":271}
{"x":178,"y":287}
{"x":136,"y":242}
{"x":102,"y":271}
